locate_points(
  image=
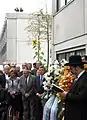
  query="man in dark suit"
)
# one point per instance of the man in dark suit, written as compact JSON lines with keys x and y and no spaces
{"x":40,"y":90}
{"x":34,"y":71}
{"x":3,"y":101}
{"x":27,"y":88}
{"x":76,"y":98}
{"x":2,"y":79}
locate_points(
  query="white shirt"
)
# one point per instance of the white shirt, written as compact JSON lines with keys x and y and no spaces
{"x":6,"y":76}
{"x":80,"y":74}
{"x":28,"y":78}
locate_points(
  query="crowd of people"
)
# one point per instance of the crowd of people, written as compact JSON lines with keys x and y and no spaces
{"x":23,"y":89}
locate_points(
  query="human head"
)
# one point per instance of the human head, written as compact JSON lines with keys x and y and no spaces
{"x":29,"y":66}
{"x":76,"y":64}
{"x":37,"y":65}
{"x":26,"y":72}
{"x":6,"y":63}
{"x":6,"y":69}
{"x":12,"y":65}
{"x":34,"y":65}
{"x":18,"y":68}
{"x":84,"y":59}
{"x":12,"y":73}
{"x":41,"y":70}
{"x":24,"y":65}
{"x":38,"y":73}
{"x":76,"y":69}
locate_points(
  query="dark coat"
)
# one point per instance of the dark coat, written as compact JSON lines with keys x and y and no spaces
{"x":39,"y":87}
{"x":39,"y":107}
{"x":76,"y":100}
{"x":3,"y":96}
{"x":2,"y":80}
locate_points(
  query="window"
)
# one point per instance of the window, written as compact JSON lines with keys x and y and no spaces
{"x":61,"y":3}
{"x":66,"y":55}
{"x":59,"y":57}
{"x":80,"y":52}
{"x":68,"y":1}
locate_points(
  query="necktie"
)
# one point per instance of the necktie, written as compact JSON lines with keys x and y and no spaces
{"x":12,"y":83}
{"x":41,"y":80}
{"x":26,"y":80}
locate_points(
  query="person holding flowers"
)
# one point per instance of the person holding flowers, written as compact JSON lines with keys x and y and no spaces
{"x":76,"y":98}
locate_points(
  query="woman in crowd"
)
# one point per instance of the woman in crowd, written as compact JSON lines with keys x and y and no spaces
{"x":12,"y":85}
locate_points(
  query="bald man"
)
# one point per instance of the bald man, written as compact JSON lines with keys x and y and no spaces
{"x":27,"y":88}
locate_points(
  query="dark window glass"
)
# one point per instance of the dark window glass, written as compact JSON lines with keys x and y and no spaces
{"x":61,"y":3}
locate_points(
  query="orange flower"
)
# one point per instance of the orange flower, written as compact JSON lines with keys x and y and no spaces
{"x":66,"y":79}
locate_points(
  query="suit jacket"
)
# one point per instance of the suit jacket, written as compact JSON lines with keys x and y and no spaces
{"x":3,"y":96}
{"x":76,"y":100}
{"x":2,"y":80}
{"x":39,"y":87}
{"x":30,"y":87}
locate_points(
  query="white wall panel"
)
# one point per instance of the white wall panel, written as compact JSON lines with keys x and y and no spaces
{"x":11,"y":50}
{"x":11,"y":29}
{"x":22,"y":34}
{"x":69,"y":22}
{"x":85,"y":15}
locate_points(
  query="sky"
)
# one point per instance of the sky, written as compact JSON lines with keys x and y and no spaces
{"x":29,"y":6}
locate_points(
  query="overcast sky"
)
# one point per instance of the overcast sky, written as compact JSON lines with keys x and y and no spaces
{"x":8,"y":6}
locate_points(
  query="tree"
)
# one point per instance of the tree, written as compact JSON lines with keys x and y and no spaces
{"x":41,"y":53}
{"x":39,"y":28}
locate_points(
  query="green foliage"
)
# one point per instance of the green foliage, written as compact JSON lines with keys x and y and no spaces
{"x":39,"y":27}
{"x":42,"y":53}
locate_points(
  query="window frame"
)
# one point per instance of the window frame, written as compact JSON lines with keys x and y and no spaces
{"x":58,"y":9}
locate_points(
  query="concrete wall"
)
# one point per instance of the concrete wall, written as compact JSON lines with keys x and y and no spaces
{"x":23,"y":48}
{"x":70,"y":25}
{"x":85,"y":15}
{"x":69,"y":22}
{"x":19,"y":48}
{"x":25,"y":53}
{"x":11,"y":39}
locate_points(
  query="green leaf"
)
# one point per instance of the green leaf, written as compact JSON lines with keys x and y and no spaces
{"x":42,"y":53}
{"x":34,"y":57}
{"x":35,"y":48}
{"x":39,"y":49}
{"x":36,"y":53}
{"x":45,"y":60}
{"x":40,"y":57}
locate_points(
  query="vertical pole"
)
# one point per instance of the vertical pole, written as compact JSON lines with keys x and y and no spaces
{"x":47,"y":21}
{"x":38,"y":49}
{"x":38,"y":37}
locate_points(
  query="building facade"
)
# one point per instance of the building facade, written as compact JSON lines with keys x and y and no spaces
{"x":15,"y":45}
{"x":69,"y":33}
